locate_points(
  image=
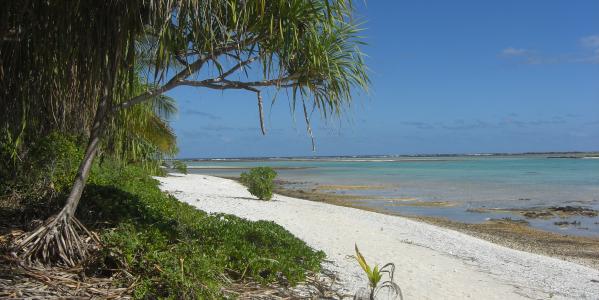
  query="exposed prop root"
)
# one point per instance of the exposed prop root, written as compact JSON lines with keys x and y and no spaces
{"x":59,"y":241}
{"x":18,"y":281}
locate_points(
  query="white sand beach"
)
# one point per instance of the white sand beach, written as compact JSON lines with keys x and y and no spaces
{"x":431,"y":262}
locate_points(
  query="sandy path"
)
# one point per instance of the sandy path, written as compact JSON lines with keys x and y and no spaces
{"x":432,"y":262}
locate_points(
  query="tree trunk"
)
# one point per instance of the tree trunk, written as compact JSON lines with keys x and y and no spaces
{"x":88,"y":159}
{"x":58,"y":239}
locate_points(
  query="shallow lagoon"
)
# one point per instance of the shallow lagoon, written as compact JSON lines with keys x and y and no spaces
{"x":467,"y":182}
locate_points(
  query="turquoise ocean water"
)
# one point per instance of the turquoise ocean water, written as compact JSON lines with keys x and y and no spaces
{"x":468,"y":182}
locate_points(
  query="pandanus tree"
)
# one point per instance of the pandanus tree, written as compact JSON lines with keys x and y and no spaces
{"x":79,"y":58}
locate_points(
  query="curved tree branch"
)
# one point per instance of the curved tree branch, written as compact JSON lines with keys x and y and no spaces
{"x":190,"y":70}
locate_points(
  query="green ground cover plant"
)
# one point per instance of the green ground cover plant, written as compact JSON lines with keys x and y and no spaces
{"x":179,"y":251}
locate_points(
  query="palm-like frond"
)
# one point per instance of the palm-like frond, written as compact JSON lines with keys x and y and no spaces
{"x":71,"y":56}
{"x":142,"y":133}
{"x":375,"y":275}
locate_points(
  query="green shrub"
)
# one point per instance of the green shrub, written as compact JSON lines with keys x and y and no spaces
{"x":260,"y":182}
{"x":56,"y":157}
{"x":180,"y":166}
{"x":47,"y":167}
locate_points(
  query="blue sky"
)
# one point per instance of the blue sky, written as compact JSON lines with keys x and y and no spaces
{"x":463,"y":76}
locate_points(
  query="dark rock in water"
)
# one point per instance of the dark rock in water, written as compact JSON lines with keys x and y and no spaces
{"x":574,"y":210}
{"x":566,"y":223}
{"x":541,"y":212}
{"x":560,"y":211}
{"x":537,"y":214}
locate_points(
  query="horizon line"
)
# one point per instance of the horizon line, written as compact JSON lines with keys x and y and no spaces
{"x":394,"y":155}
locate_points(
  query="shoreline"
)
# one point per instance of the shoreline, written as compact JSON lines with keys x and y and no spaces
{"x":512,"y":234}
{"x":432,"y":262}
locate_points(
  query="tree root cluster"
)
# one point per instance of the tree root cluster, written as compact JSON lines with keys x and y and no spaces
{"x":60,"y":241}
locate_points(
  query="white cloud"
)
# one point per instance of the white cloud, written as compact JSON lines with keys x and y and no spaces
{"x":526,"y":56}
{"x":511,"y":51}
{"x":588,"y":55}
{"x":591,"y":41}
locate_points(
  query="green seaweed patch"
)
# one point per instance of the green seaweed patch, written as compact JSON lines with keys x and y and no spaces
{"x":425,"y":204}
{"x":351,"y":187}
{"x":508,"y":220}
{"x":316,"y":195}
{"x":401,"y":199}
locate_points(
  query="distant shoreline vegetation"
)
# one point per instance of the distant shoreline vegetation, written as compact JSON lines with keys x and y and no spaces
{"x":403,"y":157}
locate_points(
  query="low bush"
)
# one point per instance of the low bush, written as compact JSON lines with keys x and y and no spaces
{"x":180,"y":166}
{"x":33,"y":182}
{"x":260,"y":182}
{"x":56,"y":156}
{"x":50,"y":162}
